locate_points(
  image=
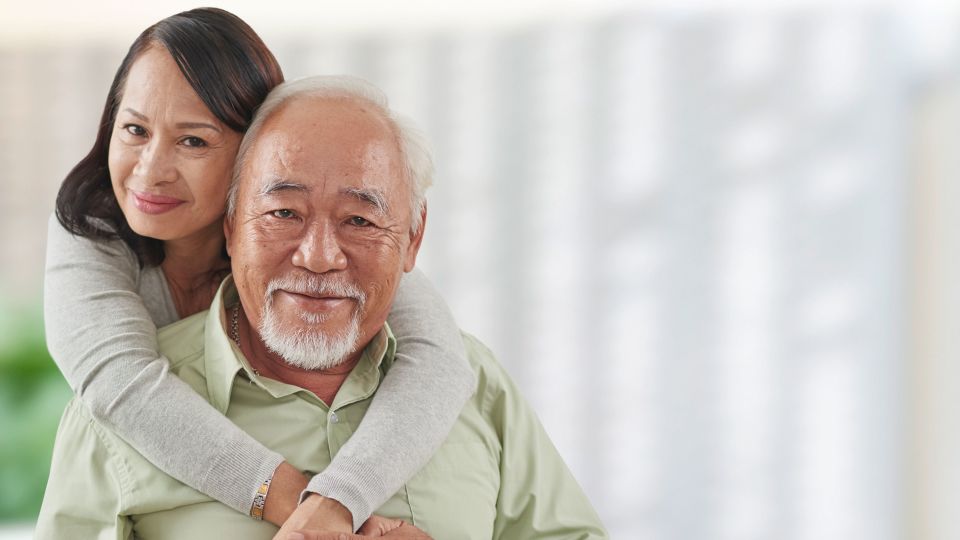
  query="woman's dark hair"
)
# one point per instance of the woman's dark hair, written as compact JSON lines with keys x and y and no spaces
{"x":228,"y":66}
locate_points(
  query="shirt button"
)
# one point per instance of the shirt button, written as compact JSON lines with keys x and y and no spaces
{"x":334,"y":418}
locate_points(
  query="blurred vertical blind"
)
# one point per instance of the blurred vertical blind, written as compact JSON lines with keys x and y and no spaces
{"x":683,"y":235}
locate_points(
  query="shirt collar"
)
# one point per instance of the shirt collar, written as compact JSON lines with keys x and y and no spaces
{"x":223,"y":360}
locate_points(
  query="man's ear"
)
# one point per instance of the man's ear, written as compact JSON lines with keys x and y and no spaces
{"x":228,"y":230}
{"x":416,"y":238}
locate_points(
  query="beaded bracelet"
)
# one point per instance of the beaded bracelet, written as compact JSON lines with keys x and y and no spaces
{"x":256,"y":511}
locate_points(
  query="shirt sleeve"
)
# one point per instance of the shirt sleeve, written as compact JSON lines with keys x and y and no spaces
{"x":539,"y":498}
{"x":84,"y":491}
{"x":101,"y":335}
{"x":413,"y":410}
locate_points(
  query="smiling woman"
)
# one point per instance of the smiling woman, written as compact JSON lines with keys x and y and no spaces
{"x":219,"y":83}
{"x":170,"y":157}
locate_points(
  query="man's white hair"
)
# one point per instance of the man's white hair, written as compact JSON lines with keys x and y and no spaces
{"x":414,"y":150}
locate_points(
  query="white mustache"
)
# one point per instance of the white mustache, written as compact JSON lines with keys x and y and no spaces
{"x":316,"y":286}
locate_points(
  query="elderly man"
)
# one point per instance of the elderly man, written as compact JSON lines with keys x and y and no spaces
{"x":326,"y":214}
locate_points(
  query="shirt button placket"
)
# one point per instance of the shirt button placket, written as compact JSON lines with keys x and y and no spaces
{"x":333,"y":437}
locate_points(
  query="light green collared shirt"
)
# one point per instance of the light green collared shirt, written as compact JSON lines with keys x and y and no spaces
{"x":496,"y":476}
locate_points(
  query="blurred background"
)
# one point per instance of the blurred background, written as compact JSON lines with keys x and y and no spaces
{"x":715,"y":244}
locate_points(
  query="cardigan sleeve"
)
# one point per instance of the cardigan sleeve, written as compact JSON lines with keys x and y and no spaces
{"x":100,"y":333}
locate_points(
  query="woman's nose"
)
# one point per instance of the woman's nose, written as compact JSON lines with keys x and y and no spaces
{"x":155,"y":164}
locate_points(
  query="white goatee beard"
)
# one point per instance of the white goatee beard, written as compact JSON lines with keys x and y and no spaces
{"x":310,"y":349}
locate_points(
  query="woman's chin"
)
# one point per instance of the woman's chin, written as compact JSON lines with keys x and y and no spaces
{"x":151,"y":227}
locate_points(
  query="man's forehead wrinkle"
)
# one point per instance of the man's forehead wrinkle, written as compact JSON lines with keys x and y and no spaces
{"x":379,"y":150}
{"x":277,"y":157}
{"x":285,"y":149}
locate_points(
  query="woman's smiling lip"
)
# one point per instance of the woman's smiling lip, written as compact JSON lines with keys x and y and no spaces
{"x":150,"y":203}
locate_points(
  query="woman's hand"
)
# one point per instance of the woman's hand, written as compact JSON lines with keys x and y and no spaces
{"x":375,"y":526}
{"x":381,"y":526}
{"x":318,"y":513}
{"x":285,"y":488}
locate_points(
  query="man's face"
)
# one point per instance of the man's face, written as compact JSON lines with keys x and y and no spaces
{"x":321,"y":233}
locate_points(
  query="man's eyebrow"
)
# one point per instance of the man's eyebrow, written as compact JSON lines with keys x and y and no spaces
{"x":180,"y":125}
{"x":280,"y":184}
{"x":373,"y":197}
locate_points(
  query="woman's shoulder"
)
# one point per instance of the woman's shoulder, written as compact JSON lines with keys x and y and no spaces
{"x":96,"y":266}
{"x":63,"y":244}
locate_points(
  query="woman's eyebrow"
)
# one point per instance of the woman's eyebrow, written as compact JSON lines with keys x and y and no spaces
{"x":179,"y":125}
{"x":138,"y":114}
{"x":197,"y":125}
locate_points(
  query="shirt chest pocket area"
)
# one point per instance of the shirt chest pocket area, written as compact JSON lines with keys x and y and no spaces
{"x":455,"y":494}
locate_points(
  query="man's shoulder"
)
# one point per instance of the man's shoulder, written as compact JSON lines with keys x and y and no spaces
{"x":492,"y":379}
{"x":478,"y":353}
{"x":182,"y":342}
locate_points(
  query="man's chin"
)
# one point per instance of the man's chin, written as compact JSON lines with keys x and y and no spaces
{"x":307,"y":322}
{"x":312,"y":351}
{"x":309,"y":346}
{"x":312,"y":363}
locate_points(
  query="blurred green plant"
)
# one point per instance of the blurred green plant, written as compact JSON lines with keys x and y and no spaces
{"x":32,"y":397}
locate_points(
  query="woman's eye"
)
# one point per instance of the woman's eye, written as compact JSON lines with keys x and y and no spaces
{"x":195,"y":142}
{"x":358,"y":221}
{"x":135,"y":130}
{"x":283,"y":213}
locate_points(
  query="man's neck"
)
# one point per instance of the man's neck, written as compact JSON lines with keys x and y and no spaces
{"x":323,"y":383}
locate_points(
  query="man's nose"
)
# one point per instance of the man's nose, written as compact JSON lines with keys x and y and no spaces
{"x":155,"y":164}
{"x":319,"y":250}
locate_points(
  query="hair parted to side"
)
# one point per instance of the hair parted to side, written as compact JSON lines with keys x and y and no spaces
{"x":226,"y":64}
{"x":414,"y":150}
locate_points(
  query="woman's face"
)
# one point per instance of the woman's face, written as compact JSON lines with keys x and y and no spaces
{"x":170,"y":157}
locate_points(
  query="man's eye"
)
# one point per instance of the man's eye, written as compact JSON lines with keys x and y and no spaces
{"x":194,"y":142}
{"x":283,"y":213}
{"x":358,"y":221}
{"x":135,"y":130}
